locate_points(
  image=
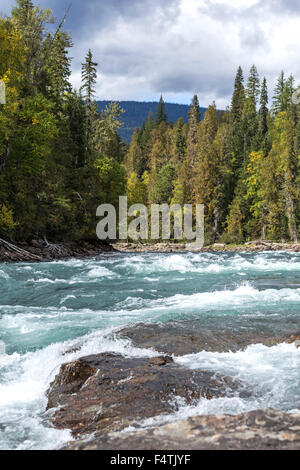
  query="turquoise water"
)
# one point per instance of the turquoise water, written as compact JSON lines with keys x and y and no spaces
{"x":46,"y":309}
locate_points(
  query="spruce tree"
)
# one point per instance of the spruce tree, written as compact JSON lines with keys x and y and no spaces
{"x":31,"y":23}
{"x":161,"y":115}
{"x":194,"y":120}
{"x":278,"y":98}
{"x":89,"y":79}
{"x":253,"y":85}
{"x":180,"y":141}
{"x":263,"y":112}
{"x":237,"y":108}
{"x":238,"y":97}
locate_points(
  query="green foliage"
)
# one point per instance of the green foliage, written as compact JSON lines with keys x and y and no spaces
{"x":7,"y":223}
{"x":59,"y":157}
{"x":242,"y":164}
{"x":162,"y":191}
{"x":161,"y":115}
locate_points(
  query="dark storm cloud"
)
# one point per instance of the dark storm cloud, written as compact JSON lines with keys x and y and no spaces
{"x":92,"y":15}
{"x":194,"y":82}
{"x":97,"y":14}
{"x":178,"y":47}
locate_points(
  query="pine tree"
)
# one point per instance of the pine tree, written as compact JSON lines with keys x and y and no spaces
{"x":238,"y":97}
{"x":146,"y":130}
{"x":283,"y":94}
{"x":55,"y":73}
{"x":237,"y":108}
{"x":253,"y":85}
{"x":194,"y":120}
{"x":161,"y":115}
{"x":180,"y":141}
{"x":89,"y":79}
{"x":263,"y":111}
{"x":134,"y":156}
{"x":31,"y":22}
{"x":249,"y":116}
{"x":208,"y":181}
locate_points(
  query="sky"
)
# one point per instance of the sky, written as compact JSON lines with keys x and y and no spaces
{"x":177,"y":48}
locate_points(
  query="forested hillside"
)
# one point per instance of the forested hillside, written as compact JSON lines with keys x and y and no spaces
{"x":135,"y":113}
{"x":242,"y":164}
{"x":60,"y":157}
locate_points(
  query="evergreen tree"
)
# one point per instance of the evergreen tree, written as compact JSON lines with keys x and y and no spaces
{"x":237,"y":103}
{"x":253,"y":85}
{"x":283,"y":94}
{"x":237,"y":108}
{"x":263,"y":111}
{"x":194,"y":120}
{"x":31,"y":22}
{"x":89,"y":78}
{"x":161,"y":115}
{"x":180,"y":141}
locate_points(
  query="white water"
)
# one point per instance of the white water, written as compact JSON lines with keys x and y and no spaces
{"x":48,"y":309}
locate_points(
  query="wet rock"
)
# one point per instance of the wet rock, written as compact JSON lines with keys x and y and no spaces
{"x":107,"y":392}
{"x":259,"y":430}
{"x":189,"y":337}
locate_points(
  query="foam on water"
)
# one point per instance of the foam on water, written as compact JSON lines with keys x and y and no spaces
{"x":48,"y":309}
{"x":25,"y":379}
{"x":272,"y":375}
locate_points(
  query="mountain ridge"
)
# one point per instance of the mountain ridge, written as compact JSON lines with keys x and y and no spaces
{"x":136,"y":112}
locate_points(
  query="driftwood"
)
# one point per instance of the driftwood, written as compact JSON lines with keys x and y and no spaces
{"x":54,"y":248}
{"x":23,"y":253}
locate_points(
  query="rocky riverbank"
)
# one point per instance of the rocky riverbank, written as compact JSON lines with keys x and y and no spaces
{"x":40,"y":250}
{"x":217,"y":247}
{"x":99,"y":396}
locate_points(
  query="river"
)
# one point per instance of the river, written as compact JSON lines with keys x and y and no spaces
{"x":48,"y":309}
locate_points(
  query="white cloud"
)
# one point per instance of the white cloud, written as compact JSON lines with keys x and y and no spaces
{"x":199,"y":50}
{"x":179,"y":47}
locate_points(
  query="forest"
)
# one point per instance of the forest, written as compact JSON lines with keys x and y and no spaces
{"x":136,"y":112}
{"x":60,"y":158}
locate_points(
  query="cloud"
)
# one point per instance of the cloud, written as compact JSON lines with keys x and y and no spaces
{"x":179,"y":47}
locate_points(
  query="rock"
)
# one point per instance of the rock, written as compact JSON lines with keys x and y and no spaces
{"x":219,"y":246}
{"x":107,"y":392}
{"x":294,"y":339}
{"x":259,"y":430}
{"x":188,"y":337}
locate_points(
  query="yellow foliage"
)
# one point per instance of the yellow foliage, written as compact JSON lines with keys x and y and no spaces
{"x":7,"y":223}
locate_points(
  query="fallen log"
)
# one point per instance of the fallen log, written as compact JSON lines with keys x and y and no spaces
{"x":23,"y":253}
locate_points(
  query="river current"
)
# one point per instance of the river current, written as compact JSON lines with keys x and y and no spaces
{"x":47,"y":309}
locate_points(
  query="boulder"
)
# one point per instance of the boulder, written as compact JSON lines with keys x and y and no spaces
{"x":107,"y":392}
{"x":258,"y":430}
